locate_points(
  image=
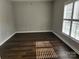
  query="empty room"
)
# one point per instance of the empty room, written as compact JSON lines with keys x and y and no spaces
{"x":39,"y":29}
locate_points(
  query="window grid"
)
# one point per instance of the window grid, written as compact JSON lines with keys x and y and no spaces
{"x":72,"y":20}
{"x":72,"y":17}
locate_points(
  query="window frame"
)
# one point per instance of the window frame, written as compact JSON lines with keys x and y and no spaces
{"x":71,"y":20}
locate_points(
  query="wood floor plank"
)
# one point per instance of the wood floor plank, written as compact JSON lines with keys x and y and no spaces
{"x":36,"y":46}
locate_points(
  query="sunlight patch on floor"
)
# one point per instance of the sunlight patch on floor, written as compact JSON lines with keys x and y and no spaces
{"x":44,"y":50}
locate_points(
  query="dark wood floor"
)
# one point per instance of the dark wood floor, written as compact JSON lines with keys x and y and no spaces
{"x":36,"y":46}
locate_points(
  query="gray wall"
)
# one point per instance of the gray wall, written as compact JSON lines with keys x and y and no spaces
{"x":6,"y":20}
{"x":30,"y":0}
{"x":57,"y":21}
{"x":33,"y":16}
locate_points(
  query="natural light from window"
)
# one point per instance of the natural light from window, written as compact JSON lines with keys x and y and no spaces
{"x":71,"y":19}
{"x":66,"y":27}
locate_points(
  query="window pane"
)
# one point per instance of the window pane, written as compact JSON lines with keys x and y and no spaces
{"x":66,"y":27}
{"x":75,"y":30}
{"x":76,"y":10}
{"x":68,"y":10}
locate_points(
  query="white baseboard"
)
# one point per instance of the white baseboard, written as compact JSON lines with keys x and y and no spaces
{"x":33,"y":31}
{"x":22,"y":32}
{"x":7,"y":39}
{"x":42,"y":31}
{"x":76,"y":50}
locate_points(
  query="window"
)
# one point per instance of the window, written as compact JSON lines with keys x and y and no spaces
{"x":66,"y":26}
{"x":68,"y":10}
{"x":71,"y":19}
{"x":75,"y":30}
{"x":76,"y":10}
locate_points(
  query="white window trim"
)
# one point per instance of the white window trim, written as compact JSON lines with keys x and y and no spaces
{"x":69,"y":36}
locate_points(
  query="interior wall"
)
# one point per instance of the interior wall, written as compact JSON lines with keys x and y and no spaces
{"x":33,"y":16}
{"x":6,"y":20}
{"x":31,"y":0}
{"x":57,"y":21}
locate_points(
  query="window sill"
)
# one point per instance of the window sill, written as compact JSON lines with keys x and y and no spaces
{"x":71,"y":37}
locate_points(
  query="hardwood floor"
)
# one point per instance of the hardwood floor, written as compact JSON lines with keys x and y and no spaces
{"x":36,"y":46}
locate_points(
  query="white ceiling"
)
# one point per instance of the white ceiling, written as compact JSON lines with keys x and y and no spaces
{"x":31,"y":0}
